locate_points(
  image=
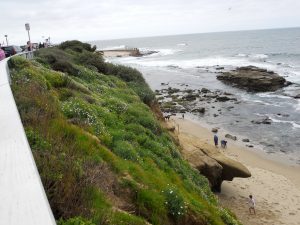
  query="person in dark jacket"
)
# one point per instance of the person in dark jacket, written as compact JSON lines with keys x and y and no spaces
{"x":216,"y":140}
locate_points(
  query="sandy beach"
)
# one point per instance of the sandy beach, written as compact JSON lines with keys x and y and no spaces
{"x":274,"y":185}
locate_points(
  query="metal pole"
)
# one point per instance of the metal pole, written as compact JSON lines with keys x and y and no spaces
{"x":6,"y":39}
{"x":29,"y":36}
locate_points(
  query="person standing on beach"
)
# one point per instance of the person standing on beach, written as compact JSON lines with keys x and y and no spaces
{"x":251,"y":204}
{"x":216,"y":140}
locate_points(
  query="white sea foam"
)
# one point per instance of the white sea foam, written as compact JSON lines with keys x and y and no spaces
{"x":293,"y":123}
{"x":182,"y":44}
{"x":263,"y":102}
{"x":272,"y":95}
{"x":115,"y":47}
{"x":192,"y":63}
{"x":258,"y":56}
{"x":255,"y":57}
{"x":241,"y":55}
{"x":297,"y":106}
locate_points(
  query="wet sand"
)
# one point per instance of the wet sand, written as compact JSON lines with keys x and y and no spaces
{"x":274,"y":185}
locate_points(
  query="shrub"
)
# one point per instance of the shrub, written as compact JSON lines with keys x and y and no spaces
{"x":135,"y":80}
{"x":125,"y":150}
{"x":75,"y":221}
{"x":91,"y":60}
{"x":174,"y":202}
{"x":152,"y":202}
{"x":77,"y":46}
{"x":57,"y":59}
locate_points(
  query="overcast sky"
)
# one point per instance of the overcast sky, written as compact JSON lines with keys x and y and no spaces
{"x":110,"y":19}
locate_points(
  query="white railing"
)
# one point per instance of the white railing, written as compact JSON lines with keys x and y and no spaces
{"x":22,"y":197}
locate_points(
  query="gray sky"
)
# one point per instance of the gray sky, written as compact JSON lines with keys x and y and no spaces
{"x":110,"y":19}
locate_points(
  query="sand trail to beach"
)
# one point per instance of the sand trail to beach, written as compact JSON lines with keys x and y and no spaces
{"x":275,"y":186}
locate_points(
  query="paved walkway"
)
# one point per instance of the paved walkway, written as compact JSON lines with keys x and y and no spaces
{"x":22,"y":196}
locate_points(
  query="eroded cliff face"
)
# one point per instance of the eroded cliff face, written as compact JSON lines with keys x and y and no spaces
{"x":209,"y":161}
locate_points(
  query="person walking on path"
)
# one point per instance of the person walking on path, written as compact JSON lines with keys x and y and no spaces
{"x":251,"y":204}
{"x":216,"y":140}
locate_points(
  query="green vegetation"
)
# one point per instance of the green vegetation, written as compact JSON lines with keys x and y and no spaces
{"x":102,"y":155}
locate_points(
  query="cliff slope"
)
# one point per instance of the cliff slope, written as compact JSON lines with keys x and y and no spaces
{"x":101,"y":153}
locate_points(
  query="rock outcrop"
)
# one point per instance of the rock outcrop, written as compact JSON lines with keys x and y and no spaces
{"x":253,"y":78}
{"x":229,"y":136}
{"x":211,"y":163}
{"x":264,"y":120}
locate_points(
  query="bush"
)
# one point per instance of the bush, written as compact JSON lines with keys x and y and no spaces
{"x":174,"y":202}
{"x":77,"y":46}
{"x":125,"y":150}
{"x":90,"y":60}
{"x":57,"y":59}
{"x":134,"y":79}
{"x":75,"y":221}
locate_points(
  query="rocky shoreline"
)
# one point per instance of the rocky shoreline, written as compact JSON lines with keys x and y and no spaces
{"x":214,"y":105}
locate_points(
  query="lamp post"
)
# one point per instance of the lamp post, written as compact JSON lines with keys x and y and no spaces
{"x":6,"y":39}
{"x":27,"y":27}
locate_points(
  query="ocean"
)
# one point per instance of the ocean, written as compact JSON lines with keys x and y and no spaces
{"x":194,"y":60}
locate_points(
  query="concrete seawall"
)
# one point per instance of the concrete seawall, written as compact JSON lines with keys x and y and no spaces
{"x":22,"y":196}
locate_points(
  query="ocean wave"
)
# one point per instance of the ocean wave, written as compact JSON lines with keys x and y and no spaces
{"x":182,"y":44}
{"x":255,"y":57}
{"x":263,"y":102}
{"x":164,"y":52}
{"x":293,"y":123}
{"x":272,"y":95}
{"x":297,"y":106}
{"x":157,"y":60}
{"x":284,"y":54}
{"x":241,"y":55}
{"x":115,"y":47}
{"x":258,"y":56}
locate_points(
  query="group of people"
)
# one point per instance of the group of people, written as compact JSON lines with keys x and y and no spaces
{"x":223,"y":142}
{"x":29,"y":46}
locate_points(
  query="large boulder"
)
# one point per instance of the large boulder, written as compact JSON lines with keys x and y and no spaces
{"x":263,"y":120}
{"x":232,"y":137}
{"x":199,"y":110}
{"x":208,"y":167}
{"x":231,"y":168}
{"x":211,"y":163}
{"x":253,"y":78}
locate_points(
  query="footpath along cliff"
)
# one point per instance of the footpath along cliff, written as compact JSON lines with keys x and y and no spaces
{"x":102,"y":154}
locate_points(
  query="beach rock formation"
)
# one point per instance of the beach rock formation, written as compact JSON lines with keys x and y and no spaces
{"x":199,"y":110}
{"x":253,"y":78}
{"x":215,"y":130}
{"x":229,"y":136}
{"x":264,"y":120}
{"x":211,"y":163}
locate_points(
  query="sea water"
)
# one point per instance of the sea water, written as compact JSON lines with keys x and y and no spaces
{"x":194,"y":60}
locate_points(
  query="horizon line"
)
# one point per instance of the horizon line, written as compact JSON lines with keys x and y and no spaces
{"x":182,"y":34}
